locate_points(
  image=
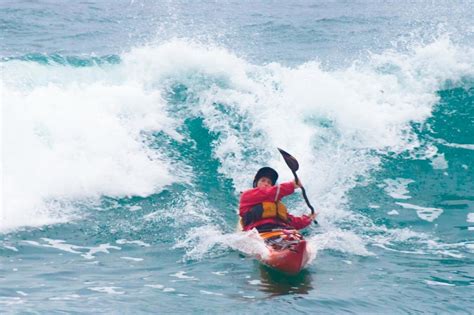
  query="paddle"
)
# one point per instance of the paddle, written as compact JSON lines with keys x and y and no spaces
{"x":294,"y":166}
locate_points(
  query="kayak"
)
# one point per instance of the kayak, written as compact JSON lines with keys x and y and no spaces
{"x":288,"y":252}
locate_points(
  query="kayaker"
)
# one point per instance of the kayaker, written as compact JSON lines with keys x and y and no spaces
{"x":261,"y":206}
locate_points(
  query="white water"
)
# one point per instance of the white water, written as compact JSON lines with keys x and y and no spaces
{"x":74,"y":134}
{"x":340,"y":121}
{"x":75,"y":139}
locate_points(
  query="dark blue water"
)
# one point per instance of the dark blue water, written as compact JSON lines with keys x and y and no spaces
{"x":130,"y":127}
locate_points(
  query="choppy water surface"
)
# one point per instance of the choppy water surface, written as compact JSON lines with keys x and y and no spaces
{"x":129,"y":129}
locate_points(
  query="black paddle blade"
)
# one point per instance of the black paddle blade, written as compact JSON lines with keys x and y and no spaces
{"x":290,"y":160}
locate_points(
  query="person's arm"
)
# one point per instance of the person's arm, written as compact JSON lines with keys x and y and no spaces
{"x":300,"y":222}
{"x":258,"y":195}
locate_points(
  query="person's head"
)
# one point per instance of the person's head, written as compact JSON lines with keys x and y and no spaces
{"x":265,"y":177}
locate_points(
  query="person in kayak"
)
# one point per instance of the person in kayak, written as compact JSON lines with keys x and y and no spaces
{"x":261,"y":206}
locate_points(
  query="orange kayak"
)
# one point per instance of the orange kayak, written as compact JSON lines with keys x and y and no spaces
{"x":288,"y":252}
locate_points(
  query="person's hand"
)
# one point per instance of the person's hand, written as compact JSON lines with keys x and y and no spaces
{"x":297,"y":184}
{"x":313,"y":216}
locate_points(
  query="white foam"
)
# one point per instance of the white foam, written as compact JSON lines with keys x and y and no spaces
{"x":132,"y":258}
{"x":108,"y":290}
{"x":102,"y":248}
{"x":75,"y":134}
{"x":439,"y":162}
{"x":200,"y":241}
{"x":397,"y":188}
{"x":169,"y":290}
{"x":57,"y":244}
{"x":336,"y":239}
{"x":6,"y":300}
{"x":139,"y":243}
{"x":134,"y":208}
{"x":67,"y":297}
{"x":182,"y":276}
{"x":424,"y":213}
{"x":470,"y":217}
{"x":449,"y":253}
{"x":393,"y":212}
{"x":61,"y":245}
{"x":416,"y":252}
{"x":210,"y":293}
{"x":84,"y":251}
{"x":13,"y":248}
{"x":438,"y":283}
{"x":465,"y":146}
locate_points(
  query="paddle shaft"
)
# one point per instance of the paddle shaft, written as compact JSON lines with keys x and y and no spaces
{"x":294,"y":166}
{"x":304,"y":195}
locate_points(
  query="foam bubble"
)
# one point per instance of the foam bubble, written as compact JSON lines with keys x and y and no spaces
{"x":108,"y":290}
{"x":397,"y":188}
{"x":439,"y":162}
{"x":169,"y":289}
{"x":132,"y":258}
{"x":424,"y":213}
{"x":210,"y":293}
{"x":101,"y":248}
{"x":66,"y":297}
{"x":13,"y":248}
{"x":139,"y":243}
{"x":6,"y":300}
{"x":74,"y":249}
{"x":182,"y":276}
{"x":438,"y":283}
{"x":255,"y":282}
{"x":134,"y":208}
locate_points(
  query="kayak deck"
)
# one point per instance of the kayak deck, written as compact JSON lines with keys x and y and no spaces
{"x":288,"y":251}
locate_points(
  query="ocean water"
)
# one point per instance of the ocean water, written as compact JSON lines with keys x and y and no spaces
{"x":129,"y":128}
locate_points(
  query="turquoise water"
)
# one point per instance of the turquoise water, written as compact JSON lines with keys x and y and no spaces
{"x":130,"y":127}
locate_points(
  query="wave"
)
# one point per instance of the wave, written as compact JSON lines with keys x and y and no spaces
{"x":74,"y":133}
{"x":73,"y":61}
